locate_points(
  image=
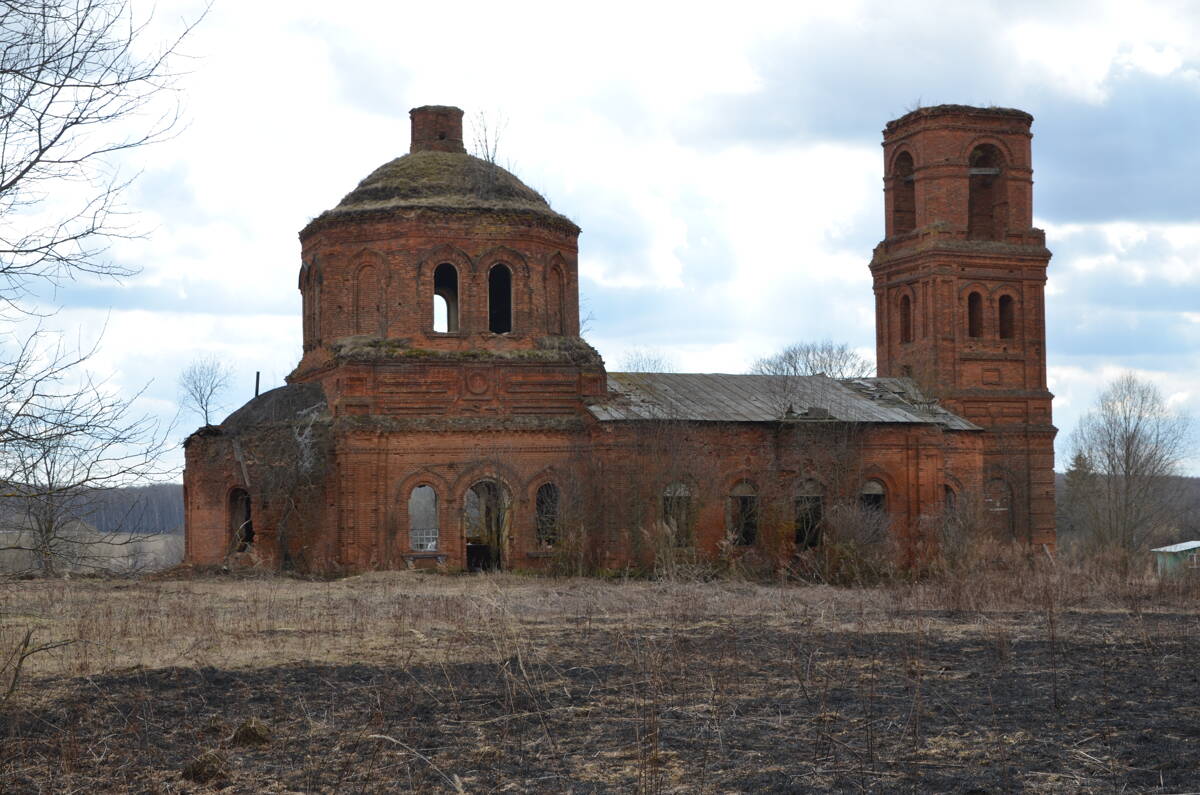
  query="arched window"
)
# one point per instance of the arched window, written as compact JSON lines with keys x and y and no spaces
{"x":445,"y":298}
{"x":906,"y":320}
{"x":547,"y":514}
{"x":500,"y":299}
{"x":743,"y":514}
{"x":809,"y":512}
{"x":950,"y":498}
{"x":366,"y":302}
{"x":997,"y":503}
{"x":677,"y":513}
{"x":423,"y":519}
{"x":873,"y":496}
{"x":1006,"y":312}
{"x":554,"y":302}
{"x":985,"y":203}
{"x":974,"y":315}
{"x":241,"y":527}
{"x":904,"y":199}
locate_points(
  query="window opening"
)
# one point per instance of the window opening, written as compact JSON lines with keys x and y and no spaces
{"x":873,"y":496}
{"x":951,"y":499}
{"x":743,"y":514}
{"x":241,"y":526}
{"x":974,"y":315}
{"x":445,"y":298}
{"x":1007,"y":316}
{"x":906,"y":324}
{"x":809,"y":512}
{"x":985,"y":195}
{"x":546,"y":508}
{"x":423,"y":519}
{"x":677,"y":513}
{"x":500,"y":299}
{"x":904,"y":199}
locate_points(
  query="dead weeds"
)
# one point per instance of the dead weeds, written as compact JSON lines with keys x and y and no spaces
{"x":404,"y":681}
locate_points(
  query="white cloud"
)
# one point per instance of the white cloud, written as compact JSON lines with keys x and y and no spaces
{"x":290,"y":104}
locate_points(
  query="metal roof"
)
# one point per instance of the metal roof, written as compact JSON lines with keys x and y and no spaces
{"x":715,"y":397}
{"x":1182,"y":546}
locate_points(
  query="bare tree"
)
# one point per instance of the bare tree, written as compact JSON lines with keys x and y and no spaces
{"x":79,"y":85}
{"x":647,"y":360}
{"x":201,"y":385}
{"x":1135,"y":445}
{"x":833,"y":359}
{"x":58,"y":465}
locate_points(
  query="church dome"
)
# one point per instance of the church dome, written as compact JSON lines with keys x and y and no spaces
{"x":438,"y":175}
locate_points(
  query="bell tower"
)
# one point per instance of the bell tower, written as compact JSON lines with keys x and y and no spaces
{"x":959,"y":285}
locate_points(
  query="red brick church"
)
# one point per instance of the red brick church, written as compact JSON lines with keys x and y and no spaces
{"x":446,"y":411}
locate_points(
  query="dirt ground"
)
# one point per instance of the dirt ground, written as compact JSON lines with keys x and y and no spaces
{"x":502,"y":683}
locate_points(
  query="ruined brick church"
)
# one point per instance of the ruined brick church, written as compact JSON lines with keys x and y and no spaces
{"x":446,"y":412}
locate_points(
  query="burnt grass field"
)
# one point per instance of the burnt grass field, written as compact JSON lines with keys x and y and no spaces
{"x":503,"y":683}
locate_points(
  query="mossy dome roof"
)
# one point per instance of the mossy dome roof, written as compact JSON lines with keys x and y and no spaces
{"x":450,"y":182}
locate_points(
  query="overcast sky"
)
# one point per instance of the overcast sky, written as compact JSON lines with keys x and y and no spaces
{"x":723,"y":162}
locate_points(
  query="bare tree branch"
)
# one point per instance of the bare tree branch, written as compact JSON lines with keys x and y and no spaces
{"x":74,"y":91}
{"x":201,"y":385}
{"x":1130,"y":449}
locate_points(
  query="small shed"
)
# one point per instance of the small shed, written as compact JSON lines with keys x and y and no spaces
{"x":1177,"y":558}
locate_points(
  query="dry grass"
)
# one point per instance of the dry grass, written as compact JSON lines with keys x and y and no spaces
{"x":1016,"y":680}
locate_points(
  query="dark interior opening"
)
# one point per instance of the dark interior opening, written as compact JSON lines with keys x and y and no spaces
{"x":809,"y":512}
{"x":241,"y":528}
{"x":1007,"y":317}
{"x":904,"y":198}
{"x":743,"y":514}
{"x":985,"y":201}
{"x":974,"y":315}
{"x":500,"y":299}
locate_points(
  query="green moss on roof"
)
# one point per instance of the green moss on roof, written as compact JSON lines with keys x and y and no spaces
{"x":448,"y":181}
{"x":957,"y":110}
{"x":549,"y":350}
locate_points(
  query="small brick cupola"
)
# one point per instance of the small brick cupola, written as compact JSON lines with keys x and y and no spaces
{"x":438,"y":253}
{"x":437,"y":128}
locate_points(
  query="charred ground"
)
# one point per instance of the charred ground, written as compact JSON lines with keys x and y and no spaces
{"x":416,"y":682}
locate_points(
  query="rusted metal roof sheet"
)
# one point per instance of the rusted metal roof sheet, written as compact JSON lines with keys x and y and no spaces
{"x":697,"y":397}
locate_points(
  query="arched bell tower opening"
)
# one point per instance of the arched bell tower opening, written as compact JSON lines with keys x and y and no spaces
{"x":904,"y":202}
{"x":985,"y":197}
{"x":978,"y":279}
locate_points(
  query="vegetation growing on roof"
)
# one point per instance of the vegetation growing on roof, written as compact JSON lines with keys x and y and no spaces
{"x":447,"y":181}
{"x":572,"y":350}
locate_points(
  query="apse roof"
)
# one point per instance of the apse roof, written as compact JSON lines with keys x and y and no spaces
{"x":697,"y":397}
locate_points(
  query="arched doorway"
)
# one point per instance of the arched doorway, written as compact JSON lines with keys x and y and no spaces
{"x":486,"y":519}
{"x":241,"y":525}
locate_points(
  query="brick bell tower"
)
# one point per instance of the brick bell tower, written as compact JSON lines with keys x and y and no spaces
{"x":959,"y":294}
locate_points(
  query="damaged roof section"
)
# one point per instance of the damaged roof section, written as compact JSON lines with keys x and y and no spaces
{"x":696,"y":397}
{"x":282,"y":404}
